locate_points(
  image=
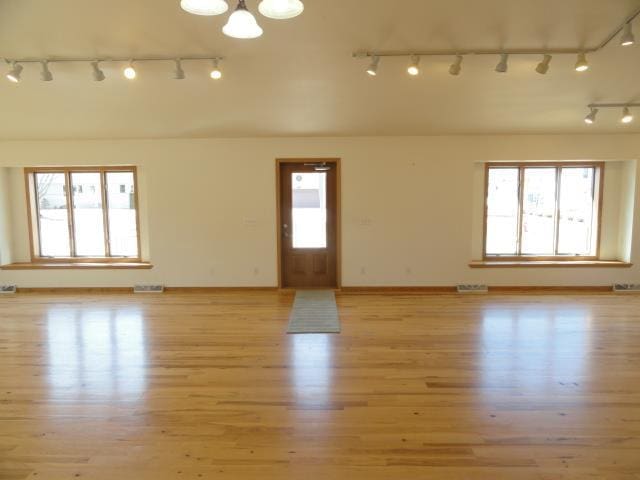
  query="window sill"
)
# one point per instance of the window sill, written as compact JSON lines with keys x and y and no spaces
{"x":549,"y":264}
{"x":77,"y":266}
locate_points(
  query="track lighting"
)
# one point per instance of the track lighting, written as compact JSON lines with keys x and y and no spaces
{"x":627,"y":35}
{"x":242,"y":24}
{"x":503,"y":65}
{"x":204,"y":7}
{"x":590,"y":119}
{"x":456,"y":66}
{"x":372,"y":69}
{"x":582,"y":65}
{"x":45,"y":74}
{"x":414,"y":66}
{"x":216,"y":73}
{"x":627,"y":117}
{"x":281,"y":9}
{"x":543,"y":66}
{"x":98,"y":75}
{"x":14,"y":72}
{"x":130,"y":72}
{"x":179,"y":72}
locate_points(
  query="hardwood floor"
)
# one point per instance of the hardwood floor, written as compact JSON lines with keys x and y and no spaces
{"x":202,"y":386}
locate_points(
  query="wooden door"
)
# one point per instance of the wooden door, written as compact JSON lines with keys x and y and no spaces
{"x":308,"y":224}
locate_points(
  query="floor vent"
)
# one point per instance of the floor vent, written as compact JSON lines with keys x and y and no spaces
{"x":148,"y":289}
{"x":627,"y":287}
{"x":8,"y":289}
{"x":473,"y":289}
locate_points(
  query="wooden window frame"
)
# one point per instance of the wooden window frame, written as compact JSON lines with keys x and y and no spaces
{"x":598,"y":186}
{"x":33,"y":217}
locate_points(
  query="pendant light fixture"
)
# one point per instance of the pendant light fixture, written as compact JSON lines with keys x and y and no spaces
{"x":281,"y":9}
{"x":242,"y":23}
{"x":204,"y":7}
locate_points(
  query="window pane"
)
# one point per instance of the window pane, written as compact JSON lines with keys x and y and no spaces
{"x":576,"y":211}
{"x":538,"y":211}
{"x":309,"y":209}
{"x":52,"y":215}
{"x":121,"y":199}
{"x":502,"y":212}
{"x":88,"y":221}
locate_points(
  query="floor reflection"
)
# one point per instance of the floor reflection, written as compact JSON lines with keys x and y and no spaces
{"x":536,"y":350}
{"x":311,"y":360}
{"x":96,"y":352}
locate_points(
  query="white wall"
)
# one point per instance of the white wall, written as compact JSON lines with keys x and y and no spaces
{"x":5,"y":218}
{"x":409,"y":207}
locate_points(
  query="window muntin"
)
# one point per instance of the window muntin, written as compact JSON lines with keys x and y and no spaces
{"x":75,"y":216}
{"x":542,"y":210}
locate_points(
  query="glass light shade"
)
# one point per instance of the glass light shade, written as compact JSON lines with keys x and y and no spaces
{"x":242,"y":24}
{"x":281,"y":9}
{"x":204,"y":7}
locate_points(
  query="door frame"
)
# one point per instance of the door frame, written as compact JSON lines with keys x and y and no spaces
{"x":336,"y":162}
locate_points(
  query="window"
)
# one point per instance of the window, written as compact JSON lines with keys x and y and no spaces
{"x":539,"y":211}
{"x":83,"y":213}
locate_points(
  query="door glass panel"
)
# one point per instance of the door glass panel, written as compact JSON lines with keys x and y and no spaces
{"x":53,"y":218}
{"x":502,"y":211}
{"x":123,"y":229}
{"x":539,"y":211}
{"x":309,"y":209}
{"x":87,"y":214}
{"x":576,"y":211}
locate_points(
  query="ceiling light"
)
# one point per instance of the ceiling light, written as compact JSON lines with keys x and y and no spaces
{"x":179,"y":72}
{"x":242,"y":24}
{"x":281,"y":9}
{"x":98,"y":75}
{"x":503,"y":65}
{"x":543,"y":66}
{"x":456,"y":67}
{"x":216,"y":73}
{"x":372,"y":69}
{"x":130,"y":72}
{"x":627,"y":36}
{"x":14,"y":72}
{"x":414,"y":66}
{"x":582,"y":65}
{"x":46,"y":74}
{"x":591,"y":118}
{"x":627,"y":117}
{"x":204,"y":7}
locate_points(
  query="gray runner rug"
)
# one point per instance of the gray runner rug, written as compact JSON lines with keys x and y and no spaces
{"x":314,"y":311}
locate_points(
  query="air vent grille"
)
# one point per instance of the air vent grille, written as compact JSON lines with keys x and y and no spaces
{"x":467,"y":288}
{"x":8,"y":289}
{"x":148,"y":289}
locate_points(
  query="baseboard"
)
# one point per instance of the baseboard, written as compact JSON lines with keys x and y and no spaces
{"x":79,"y":290}
{"x":492,"y":289}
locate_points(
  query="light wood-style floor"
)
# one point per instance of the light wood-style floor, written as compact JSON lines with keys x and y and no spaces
{"x":208,"y":386}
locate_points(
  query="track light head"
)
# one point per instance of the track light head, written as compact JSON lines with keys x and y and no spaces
{"x":627,"y":35}
{"x":130,"y":72}
{"x":372,"y":69}
{"x":13,"y":75}
{"x":590,"y":119}
{"x":179,"y":72}
{"x":627,"y":117}
{"x":45,"y":74}
{"x":216,"y":73}
{"x":582,"y":65}
{"x":98,"y":74}
{"x":543,"y":66}
{"x":414,"y":66}
{"x":456,"y":66}
{"x":503,"y":65}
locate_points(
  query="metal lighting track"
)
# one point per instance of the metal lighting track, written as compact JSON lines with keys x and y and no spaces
{"x":517,"y":51}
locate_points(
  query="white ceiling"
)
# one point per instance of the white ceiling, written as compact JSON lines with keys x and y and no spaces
{"x":300,"y":79}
